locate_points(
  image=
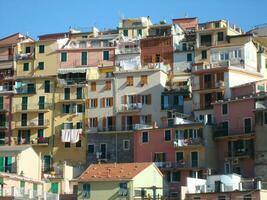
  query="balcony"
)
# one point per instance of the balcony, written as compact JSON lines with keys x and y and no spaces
{"x":9,"y":168}
{"x":132,"y":107}
{"x":201,"y":106}
{"x":134,"y":50}
{"x":6,"y":88}
{"x":73,"y":81}
{"x":64,"y":98}
{"x":190,"y":142}
{"x":179,"y":165}
{"x":242,"y":132}
{"x":241,"y":153}
{"x":32,"y":124}
{"x":41,"y":141}
{"x":28,"y":90}
{"x":141,"y":126}
{"x":25,"y":56}
{"x":107,"y":129}
{"x":33,"y":108}
{"x":261,"y":105}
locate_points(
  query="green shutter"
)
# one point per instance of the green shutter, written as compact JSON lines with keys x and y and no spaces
{"x":47,"y":86}
{"x":125,"y":32}
{"x":84,"y":58}
{"x":66,"y":93}
{"x":2,"y":164}
{"x":35,"y":187}
{"x":25,"y":66}
{"x":79,"y":93}
{"x":41,"y":102}
{"x":54,"y":187}
{"x":41,"y":65}
{"x":22,"y":184}
{"x":40,"y":133}
{"x":63,"y":56}
{"x":106,"y":55}
{"x":1,"y":103}
{"x":24,"y":103}
{"x":9,"y":164}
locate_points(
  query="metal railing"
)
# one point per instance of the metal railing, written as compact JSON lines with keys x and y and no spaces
{"x":25,"y":56}
{"x":131,"y":107}
{"x":188,"y":142}
{"x":179,"y":165}
{"x":70,"y":97}
{"x":141,"y":126}
{"x":28,"y":90}
{"x":6,"y":58}
{"x":261,"y":105}
{"x":128,"y":50}
{"x":219,"y":131}
{"x":32,"y":123}
{"x":41,"y":141}
{"x":32,"y":107}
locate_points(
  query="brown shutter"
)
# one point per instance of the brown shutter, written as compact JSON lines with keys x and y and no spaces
{"x":136,"y":119}
{"x":113,"y":122}
{"x":138,"y":99}
{"x":87,"y":103}
{"x":85,"y":122}
{"x":103,"y":102}
{"x":135,"y":99}
{"x":104,"y":122}
{"x":96,"y":103}
{"x":149,"y":119}
{"x":96,"y":122}
{"x":123,"y":122}
{"x":125,"y":99}
{"x":111,"y":101}
{"x":149,"y":99}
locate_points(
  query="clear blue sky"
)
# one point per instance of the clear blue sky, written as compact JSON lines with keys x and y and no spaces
{"x":49,"y":16}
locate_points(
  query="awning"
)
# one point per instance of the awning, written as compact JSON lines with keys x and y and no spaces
{"x":72,"y":70}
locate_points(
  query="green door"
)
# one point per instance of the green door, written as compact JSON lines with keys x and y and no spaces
{"x":9,"y":164}
{"x":2,"y":164}
{"x":24,"y":103}
{"x":194,"y":159}
{"x":1,"y":103}
{"x":67,"y":93}
{"x":54,"y":187}
{"x":46,"y":163}
{"x":41,"y":102}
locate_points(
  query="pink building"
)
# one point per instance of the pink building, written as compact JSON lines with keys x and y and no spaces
{"x":235,"y":129}
{"x":178,"y":151}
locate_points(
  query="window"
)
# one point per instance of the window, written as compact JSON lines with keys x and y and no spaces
{"x":105,"y":55}
{"x":63,"y":56}
{"x":167,"y":135}
{"x":41,"y":48}
{"x":265,"y":117}
{"x":204,"y":54}
{"x":93,"y":122}
{"x":24,"y":103}
{"x":123,"y":189}
{"x":91,"y":148}
{"x":125,"y":32}
{"x":159,"y":157}
{"x":139,"y":32}
{"x":79,"y":144}
{"x":237,"y":53}
{"x":93,"y":103}
{"x":41,"y":102}
{"x":144,"y":137}
{"x":28,"y":50}
{"x":247,"y":124}
{"x":40,"y":133}
{"x":126,"y":144}
{"x":179,"y":157}
{"x":164,"y":101}
{"x":103,"y":150}
{"x":46,"y":86}
{"x":225,"y":109}
{"x":197,"y":198}
{"x":225,"y":128}
{"x":189,"y":57}
{"x":25,"y":66}
{"x":84,"y":58}
{"x":67,"y":144}
{"x":46,"y":163}
{"x":176,"y":176}
{"x":41,"y":65}
{"x":93,"y":86}
{"x":224,"y":56}
{"x":158,"y":58}
{"x":66,"y":108}
{"x":143,"y":80}
{"x":194,"y":159}
{"x":108,"y":85}
{"x":79,"y":93}
{"x":184,"y":47}
{"x":24,"y":119}
{"x":86,"y":190}
{"x":129,"y":81}
{"x":41,"y":120}
{"x":220,"y":36}
{"x":80,"y":108}
{"x":109,"y":102}
{"x":66,"y":93}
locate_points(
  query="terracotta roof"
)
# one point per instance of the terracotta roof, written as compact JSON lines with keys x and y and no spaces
{"x":113,"y":172}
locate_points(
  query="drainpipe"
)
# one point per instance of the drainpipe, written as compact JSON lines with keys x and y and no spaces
{"x":9,"y":119}
{"x":53,"y":119}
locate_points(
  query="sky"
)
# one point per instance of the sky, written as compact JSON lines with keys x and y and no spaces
{"x":37,"y":17}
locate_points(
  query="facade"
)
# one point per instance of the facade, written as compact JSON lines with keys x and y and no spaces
{"x":105,"y":181}
{"x":179,"y":150}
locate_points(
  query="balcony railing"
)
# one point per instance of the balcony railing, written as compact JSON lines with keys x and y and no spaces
{"x":73,"y":81}
{"x":180,"y":165}
{"x":71,"y":97}
{"x":6,"y":88}
{"x":128,"y":50}
{"x":9,"y":168}
{"x":32,"y":123}
{"x":29,"y":90}
{"x":131,"y":107}
{"x":240,"y":152}
{"x":34,"y":107}
{"x":6,"y":58}
{"x":188,"y":142}
{"x":219,"y":131}
{"x":141,"y":126}
{"x":25,"y":56}
{"x":107,"y":129}
{"x":41,"y":141}
{"x":261,"y":105}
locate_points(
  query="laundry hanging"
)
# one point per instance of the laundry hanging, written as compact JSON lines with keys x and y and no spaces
{"x":70,"y":135}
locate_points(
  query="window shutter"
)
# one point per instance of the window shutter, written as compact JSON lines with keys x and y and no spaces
{"x":135,"y":99}
{"x":149,"y":99}
{"x":111,"y":101}
{"x":96,"y":103}
{"x":136,"y":119}
{"x":85,"y":122}
{"x":104,"y":122}
{"x":87,"y":103}
{"x":123,"y":122}
{"x":103,"y":102}
{"x":125,"y":99}
{"x":149,"y":119}
{"x":138,"y":98}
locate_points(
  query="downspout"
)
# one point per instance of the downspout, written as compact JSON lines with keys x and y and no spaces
{"x":53,"y":119}
{"x":10,"y":119}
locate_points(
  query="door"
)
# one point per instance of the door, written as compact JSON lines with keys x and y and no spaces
{"x":179,"y":157}
{"x":2,"y":164}
{"x":9,"y":164}
{"x":40,"y":119}
{"x":46,"y":163}
{"x":54,"y":187}
{"x":24,"y":103}
{"x":194,"y":159}
{"x":247,"y":124}
{"x":129,"y":122}
{"x":79,"y":93}
{"x":41,"y":102}
{"x":1,"y":103}
{"x":24,"y":119}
